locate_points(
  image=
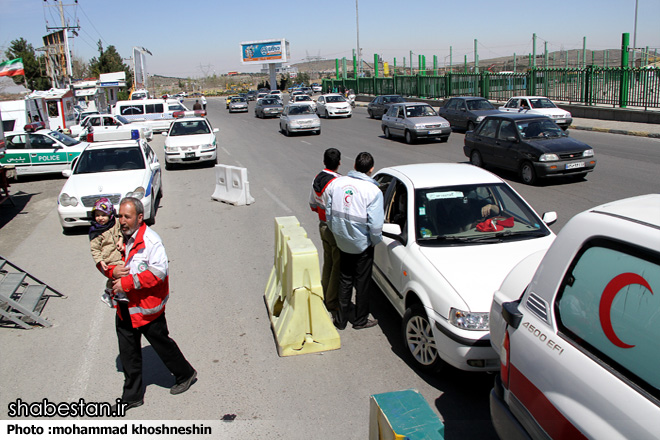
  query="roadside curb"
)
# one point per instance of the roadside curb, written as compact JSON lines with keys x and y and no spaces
{"x":617,"y":131}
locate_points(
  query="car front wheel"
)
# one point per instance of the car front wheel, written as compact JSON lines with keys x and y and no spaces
{"x":470,"y":126}
{"x":527,"y":173}
{"x":475,"y":159}
{"x":419,"y":339}
{"x":388,"y":135}
{"x":409,"y":137}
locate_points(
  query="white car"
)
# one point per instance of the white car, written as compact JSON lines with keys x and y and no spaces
{"x":316,"y":88}
{"x":333,"y":104}
{"x":538,"y":105}
{"x":114,"y":170}
{"x":303,"y":98}
{"x":190,"y":140}
{"x":577,"y":331}
{"x":108,"y":122}
{"x":452,"y":233}
{"x":297,"y":118}
{"x":41,"y":151}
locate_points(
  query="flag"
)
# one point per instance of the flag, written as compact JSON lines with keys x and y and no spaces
{"x":12,"y":67}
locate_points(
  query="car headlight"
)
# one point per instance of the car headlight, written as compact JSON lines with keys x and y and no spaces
{"x":468,"y":320}
{"x":588,"y":153}
{"x":66,"y":200}
{"x":138,"y":193}
{"x":548,"y":157}
{"x":420,"y":126}
{"x":206,"y":146}
{"x":171,"y":149}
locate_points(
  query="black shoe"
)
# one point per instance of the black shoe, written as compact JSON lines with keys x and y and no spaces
{"x":339,"y":325}
{"x":127,"y":405}
{"x":183,"y":386}
{"x":370,"y":323}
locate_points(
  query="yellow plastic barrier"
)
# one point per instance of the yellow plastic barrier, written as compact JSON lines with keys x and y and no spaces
{"x":294,"y":296}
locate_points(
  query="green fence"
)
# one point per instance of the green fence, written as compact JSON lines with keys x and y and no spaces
{"x":619,"y":87}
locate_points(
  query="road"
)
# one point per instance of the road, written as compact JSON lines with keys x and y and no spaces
{"x":220,"y":259}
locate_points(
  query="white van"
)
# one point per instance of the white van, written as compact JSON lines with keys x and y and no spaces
{"x":158,"y":113}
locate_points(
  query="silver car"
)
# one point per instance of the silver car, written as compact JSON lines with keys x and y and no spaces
{"x":238,"y":105}
{"x":299,"y":117}
{"x":414,"y":120}
{"x":268,"y":107}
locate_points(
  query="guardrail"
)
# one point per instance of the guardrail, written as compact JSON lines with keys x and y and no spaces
{"x":618,"y":87}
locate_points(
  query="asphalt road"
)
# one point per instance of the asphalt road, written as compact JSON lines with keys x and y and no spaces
{"x":220,"y":259}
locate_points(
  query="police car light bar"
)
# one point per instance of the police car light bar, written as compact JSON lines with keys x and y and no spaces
{"x":34,"y":126}
{"x":113,"y":135}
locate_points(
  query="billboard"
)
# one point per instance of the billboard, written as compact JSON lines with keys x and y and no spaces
{"x":265,"y":51}
{"x":58,"y":63}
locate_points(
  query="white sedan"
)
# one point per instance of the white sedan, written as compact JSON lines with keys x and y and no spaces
{"x":452,"y":233}
{"x":303,"y":98}
{"x":190,"y":140}
{"x":538,"y":105}
{"x":333,"y":104}
{"x":114,"y":170}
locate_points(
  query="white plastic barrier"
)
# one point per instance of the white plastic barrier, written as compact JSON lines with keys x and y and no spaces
{"x":231,"y":185}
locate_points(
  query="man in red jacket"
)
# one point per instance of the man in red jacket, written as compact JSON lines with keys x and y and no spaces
{"x":145,"y":280}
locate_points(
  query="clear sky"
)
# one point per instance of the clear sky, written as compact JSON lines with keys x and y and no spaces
{"x":189,"y":38}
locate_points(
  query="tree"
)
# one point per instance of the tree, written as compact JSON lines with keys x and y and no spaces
{"x":79,"y":67}
{"x":22,"y":49}
{"x":109,"y":61}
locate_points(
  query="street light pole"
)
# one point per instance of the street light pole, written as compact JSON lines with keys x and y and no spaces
{"x":359,"y":51}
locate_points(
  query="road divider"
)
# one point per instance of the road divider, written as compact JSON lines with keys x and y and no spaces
{"x":294,"y":296}
{"x":232,"y":185}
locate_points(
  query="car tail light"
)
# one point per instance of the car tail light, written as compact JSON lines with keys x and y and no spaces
{"x":505,"y":358}
{"x":90,"y":137}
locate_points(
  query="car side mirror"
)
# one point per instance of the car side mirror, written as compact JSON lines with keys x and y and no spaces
{"x":155,"y":166}
{"x":549,"y":217}
{"x":512,"y":139}
{"x":66,"y":173}
{"x":215,"y":130}
{"x":392,"y":230}
{"x":164,"y":133}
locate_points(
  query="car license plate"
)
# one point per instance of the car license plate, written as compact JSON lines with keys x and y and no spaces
{"x":190,"y":155}
{"x":560,"y":121}
{"x":570,"y":166}
{"x":435,"y":131}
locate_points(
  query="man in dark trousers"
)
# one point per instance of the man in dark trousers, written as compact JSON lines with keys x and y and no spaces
{"x":354,"y":209}
{"x":331,"y":256}
{"x":145,"y":280}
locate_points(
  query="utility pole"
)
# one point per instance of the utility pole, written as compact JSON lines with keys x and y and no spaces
{"x":56,"y":46}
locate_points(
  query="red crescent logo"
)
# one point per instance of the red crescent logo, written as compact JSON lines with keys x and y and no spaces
{"x":605,"y":308}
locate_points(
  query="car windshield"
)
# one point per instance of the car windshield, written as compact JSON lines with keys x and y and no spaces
{"x":416,"y":111}
{"x":300,"y":110}
{"x":66,"y":140}
{"x":185,"y":128}
{"x":539,"y":128}
{"x":542,"y":103}
{"x":335,"y":98}
{"x":238,"y":100}
{"x":109,"y":159}
{"x":303,"y":98}
{"x":122,"y":119}
{"x":480,"y":104}
{"x":455,"y":214}
{"x":269,"y":101}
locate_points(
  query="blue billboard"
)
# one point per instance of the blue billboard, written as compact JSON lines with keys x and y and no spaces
{"x":266,"y":51}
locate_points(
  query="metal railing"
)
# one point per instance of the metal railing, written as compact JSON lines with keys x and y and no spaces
{"x":618,"y":87}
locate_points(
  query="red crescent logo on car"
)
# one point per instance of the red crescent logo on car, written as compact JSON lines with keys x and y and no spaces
{"x":609,"y":293}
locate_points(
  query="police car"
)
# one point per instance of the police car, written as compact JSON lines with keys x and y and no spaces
{"x":40,"y":151}
{"x":114,"y":169}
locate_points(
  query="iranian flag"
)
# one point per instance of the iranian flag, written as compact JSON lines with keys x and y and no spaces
{"x":12,"y":67}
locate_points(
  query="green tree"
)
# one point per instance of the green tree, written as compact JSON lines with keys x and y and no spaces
{"x":109,"y":61}
{"x":284,"y":82}
{"x":22,"y":49}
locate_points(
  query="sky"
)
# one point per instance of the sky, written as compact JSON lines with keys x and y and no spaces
{"x":195,"y":38}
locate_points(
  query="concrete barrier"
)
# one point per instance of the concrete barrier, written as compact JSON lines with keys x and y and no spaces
{"x":232,"y":186}
{"x":294,"y":296}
